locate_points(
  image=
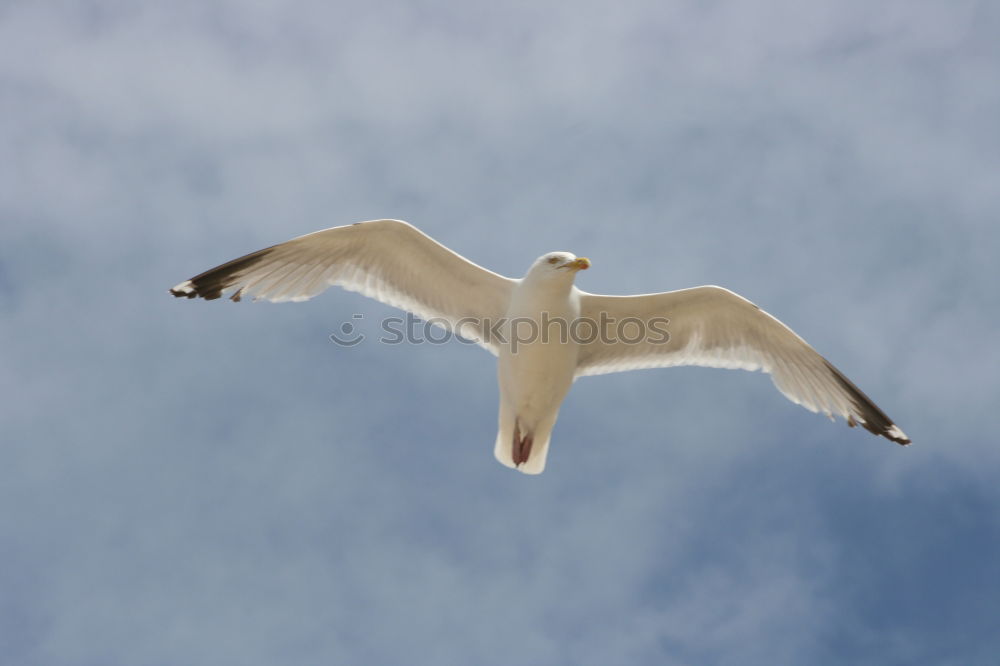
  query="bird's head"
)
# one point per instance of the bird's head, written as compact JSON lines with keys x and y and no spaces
{"x":558,"y":265}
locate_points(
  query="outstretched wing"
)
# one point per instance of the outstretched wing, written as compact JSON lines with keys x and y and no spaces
{"x":713,"y":327}
{"x":388,"y":260}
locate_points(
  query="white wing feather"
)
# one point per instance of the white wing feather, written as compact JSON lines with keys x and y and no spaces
{"x":714,"y":327}
{"x":388,"y":260}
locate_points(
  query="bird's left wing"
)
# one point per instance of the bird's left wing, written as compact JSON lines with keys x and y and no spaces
{"x":711,"y":326}
{"x":388,"y":260}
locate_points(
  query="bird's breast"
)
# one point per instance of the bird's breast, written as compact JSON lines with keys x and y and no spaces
{"x":537,"y":364}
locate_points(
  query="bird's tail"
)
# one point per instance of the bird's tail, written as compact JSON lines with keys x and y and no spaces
{"x":520,"y":447}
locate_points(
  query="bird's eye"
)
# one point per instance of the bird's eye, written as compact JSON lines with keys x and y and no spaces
{"x":554,"y":260}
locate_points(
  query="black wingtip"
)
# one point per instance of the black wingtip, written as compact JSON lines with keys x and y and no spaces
{"x":210,"y":284}
{"x":870,"y":417}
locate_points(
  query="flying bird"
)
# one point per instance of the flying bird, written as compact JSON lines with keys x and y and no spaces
{"x":544,"y":331}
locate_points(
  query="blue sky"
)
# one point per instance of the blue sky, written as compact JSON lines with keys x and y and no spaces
{"x":211,"y":483}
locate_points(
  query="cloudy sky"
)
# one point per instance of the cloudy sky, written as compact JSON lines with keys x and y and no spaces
{"x":216,"y":483}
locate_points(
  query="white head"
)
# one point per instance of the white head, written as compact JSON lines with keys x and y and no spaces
{"x":557,"y":266}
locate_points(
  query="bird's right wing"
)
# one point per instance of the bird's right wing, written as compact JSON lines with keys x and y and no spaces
{"x":388,"y":260}
{"x":711,"y":326}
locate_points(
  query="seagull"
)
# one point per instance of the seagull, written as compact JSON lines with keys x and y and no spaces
{"x":544,"y":331}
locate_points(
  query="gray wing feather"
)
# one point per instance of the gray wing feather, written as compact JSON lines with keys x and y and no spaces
{"x":714,"y":327}
{"x":388,"y":260}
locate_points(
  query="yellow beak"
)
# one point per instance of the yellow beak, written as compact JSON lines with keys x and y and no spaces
{"x":578,"y":264}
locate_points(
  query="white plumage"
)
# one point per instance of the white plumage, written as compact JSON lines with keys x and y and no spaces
{"x":397,"y":264}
